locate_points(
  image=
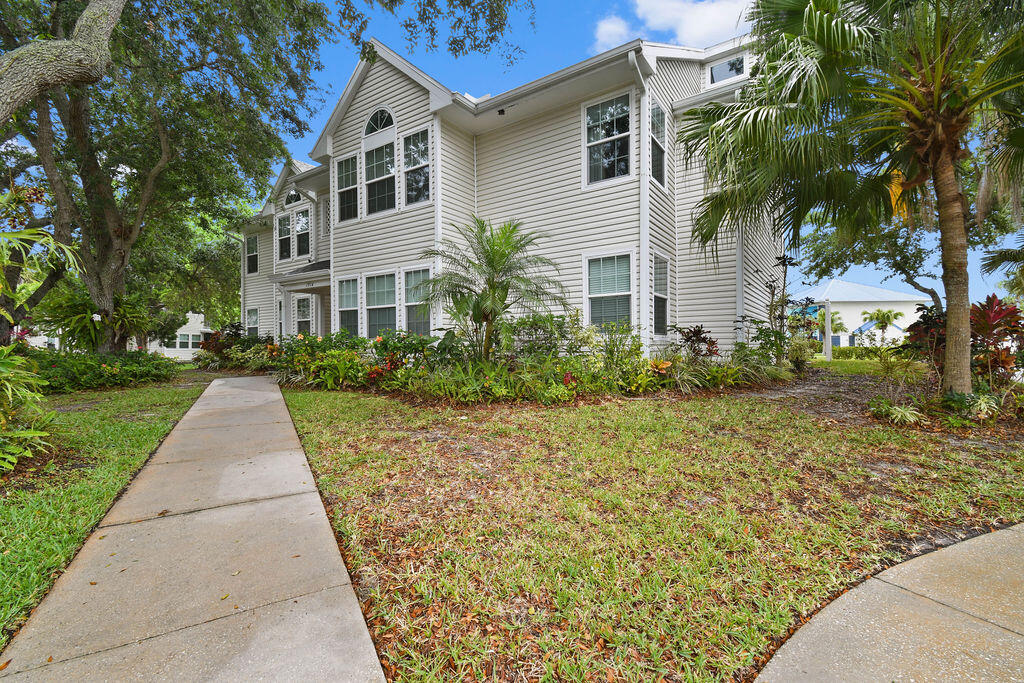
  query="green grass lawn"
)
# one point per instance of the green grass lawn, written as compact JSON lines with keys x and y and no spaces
{"x":50,"y":503}
{"x":627,"y":540}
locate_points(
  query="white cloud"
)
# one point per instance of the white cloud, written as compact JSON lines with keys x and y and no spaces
{"x":694,"y":23}
{"x":610,"y":32}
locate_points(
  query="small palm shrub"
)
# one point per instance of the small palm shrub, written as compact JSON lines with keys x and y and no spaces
{"x":23,"y":420}
{"x":897,"y":414}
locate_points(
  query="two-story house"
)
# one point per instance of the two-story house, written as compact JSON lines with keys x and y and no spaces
{"x":586,"y":156}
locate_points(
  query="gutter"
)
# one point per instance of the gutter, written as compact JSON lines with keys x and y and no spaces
{"x":645,"y":204}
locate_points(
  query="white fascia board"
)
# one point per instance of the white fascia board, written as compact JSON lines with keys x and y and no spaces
{"x":725,"y":92}
{"x":322,"y":148}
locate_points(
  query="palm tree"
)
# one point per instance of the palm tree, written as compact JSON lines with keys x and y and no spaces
{"x":838,"y":326}
{"x":1010,"y":259}
{"x":853,"y":109}
{"x":883,"y":317}
{"x":489,"y":271}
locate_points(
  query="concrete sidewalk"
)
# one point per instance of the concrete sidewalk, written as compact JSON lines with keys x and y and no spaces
{"x":218,"y":563}
{"x":955,"y":614}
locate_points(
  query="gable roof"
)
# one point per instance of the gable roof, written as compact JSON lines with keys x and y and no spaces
{"x":841,"y":290}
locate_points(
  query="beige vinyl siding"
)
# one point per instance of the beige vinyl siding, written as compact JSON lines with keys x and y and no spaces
{"x":532,"y":170}
{"x":257,"y":289}
{"x":676,"y":79}
{"x":759,"y":266}
{"x":323,"y":238}
{"x":458,"y":180}
{"x":705,"y":279}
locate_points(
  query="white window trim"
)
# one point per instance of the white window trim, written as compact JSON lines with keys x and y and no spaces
{"x":429,"y":267}
{"x":336,"y":189}
{"x":658,"y":254}
{"x":359,"y":302}
{"x":364,"y":323}
{"x":633,"y":298}
{"x":426,"y":164}
{"x":662,"y":143}
{"x":309,"y":231}
{"x":312,"y":313}
{"x":371,"y":142}
{"x":746,"y":70}
{"x":297,"y":207}
{"x":247,"y":325}
{"x":584,"y":165}
{"x":394,"y":122}
{"x":280,"y":319}
{"x":256,"y":238}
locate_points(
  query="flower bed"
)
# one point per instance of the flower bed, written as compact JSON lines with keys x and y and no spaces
{"x":70,"y":371}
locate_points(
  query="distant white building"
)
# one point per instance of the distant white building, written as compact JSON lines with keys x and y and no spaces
{"x":850,"y":299}
{"x":187,"y":340}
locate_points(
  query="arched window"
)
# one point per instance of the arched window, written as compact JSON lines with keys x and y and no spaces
{"x":379,"y":120}
{"x":292,"y":197}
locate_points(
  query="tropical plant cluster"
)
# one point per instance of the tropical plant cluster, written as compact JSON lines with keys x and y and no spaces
{"x":541,"y":357}
{"x":23,"y":419}
{"x":63,"y":371}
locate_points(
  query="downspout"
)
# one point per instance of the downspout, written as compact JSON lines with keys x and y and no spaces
{"x":438,"y":211}
{"x":740,"y":284}
{"x":644,"y":258}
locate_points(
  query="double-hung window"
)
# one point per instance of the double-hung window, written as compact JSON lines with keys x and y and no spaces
{"x":658,"y":143}
{"x":417,"y":313}
{"x":660,"y":295}
{"x":348,"y":191}
{"x":303,"y":315}
{"x":252,"y":322}
{"x":280,"y":320}
{"x":348,"y":306}
{"x":607,"y":139}
{"x":197,"y":340}
{"x":380,"y":178}
{"x":182,"y":341}
{"x":380,"y":304}
{"x":252,"y":254}
{"x":302,"y":233}
{"x":417,"y":167}
{"x":609,"y":290}
{"x":284,"y":238}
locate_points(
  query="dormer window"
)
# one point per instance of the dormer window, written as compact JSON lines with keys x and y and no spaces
{"x":730,"y":68}
{"x":379,"y":120}
{"x":292,"y":197}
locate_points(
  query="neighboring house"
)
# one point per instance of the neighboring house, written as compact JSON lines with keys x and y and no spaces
{"x":850,"y":300}
{"x":586,"y":156}
{"x":186,"y":341}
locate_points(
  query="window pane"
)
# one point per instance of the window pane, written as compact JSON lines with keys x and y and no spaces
{"x":728,"y":69}
{"x":417,"y":149}
{"x":302,"y":326}
{"x":608,"y":274}
{"x":378,"y":320}
{"x":348,"y":294}
{"x":417,"y":319}
{"x":413,"y":280}
{"x":608,"y":159}
{"x":349,"y":321}
{"x":284,"y":238}
{"x":182,"y":341}
{"x":252,"y":263}
{"x":302,"y":309}
{"x":417,"y":185}
{"x":379,"y":120}
{"x":292,"y":197}
{"x":609,"y":309}
{"x":660,"y":276}
{"x":302,"y":244}
{"x":380,"y":162}
{"x":380,"y":290}
{"x":380,"y":196}
{"x":660,"y":315}
{"x":252,"y":331}
{"x":657,"y":122}
{"x":197,"y":339}
{"x":302,"y":221}
{"x":348,"y":204}
{"x":608,"y":118}
{"x":252,"y":317}
{"x":657,"y":163}
{"x":347,"y":176}
{"x":252,"y":244}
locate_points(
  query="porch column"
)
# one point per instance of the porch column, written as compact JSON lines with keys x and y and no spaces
{"x":286,"y":311}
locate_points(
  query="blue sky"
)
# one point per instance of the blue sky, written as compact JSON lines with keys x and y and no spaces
{"x":565,"y":33}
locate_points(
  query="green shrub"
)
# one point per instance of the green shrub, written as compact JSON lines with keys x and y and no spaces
{"x":884,"y":408}
{"x":852,"y":352}
{"x":68,"y":371}
{"x":22,"y":418}
{"x":801,"y":351}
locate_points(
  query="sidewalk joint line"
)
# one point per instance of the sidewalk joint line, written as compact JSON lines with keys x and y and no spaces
{"x":212,"y":507}
{"x":952,"y":607}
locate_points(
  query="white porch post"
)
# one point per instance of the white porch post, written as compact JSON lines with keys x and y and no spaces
{"x":286,"y":310}
{"x":828,"y":330}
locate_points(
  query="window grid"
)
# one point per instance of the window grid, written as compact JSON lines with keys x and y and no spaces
{"x":380,"y":178}
{"x":658,"y":143}
{"x":182,"y":341}
{"x":252,"y":322}
{"x":197,"y":340}
{"x":348,"y":306}
{"x":417,"y":313}
{"x":380,"y":304}
{"x":607,"y":139}
{"x":252,"y":254}
{"x":416,"y":149}
{"x":660,"y":295}
{"x":379,"y":120}
{"x":284,"y":238}
{"x":303,"y":315}
{"x":609,"y":290}
{"x":348,"y":192}
{"x":302,"y":233}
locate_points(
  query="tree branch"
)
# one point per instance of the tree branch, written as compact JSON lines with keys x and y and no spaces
{"x":30,"y":70}
{"x":149,"y":189}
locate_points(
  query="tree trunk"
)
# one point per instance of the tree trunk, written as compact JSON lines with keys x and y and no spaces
{"x":488,"y":338}
{"x":953,"y":241}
